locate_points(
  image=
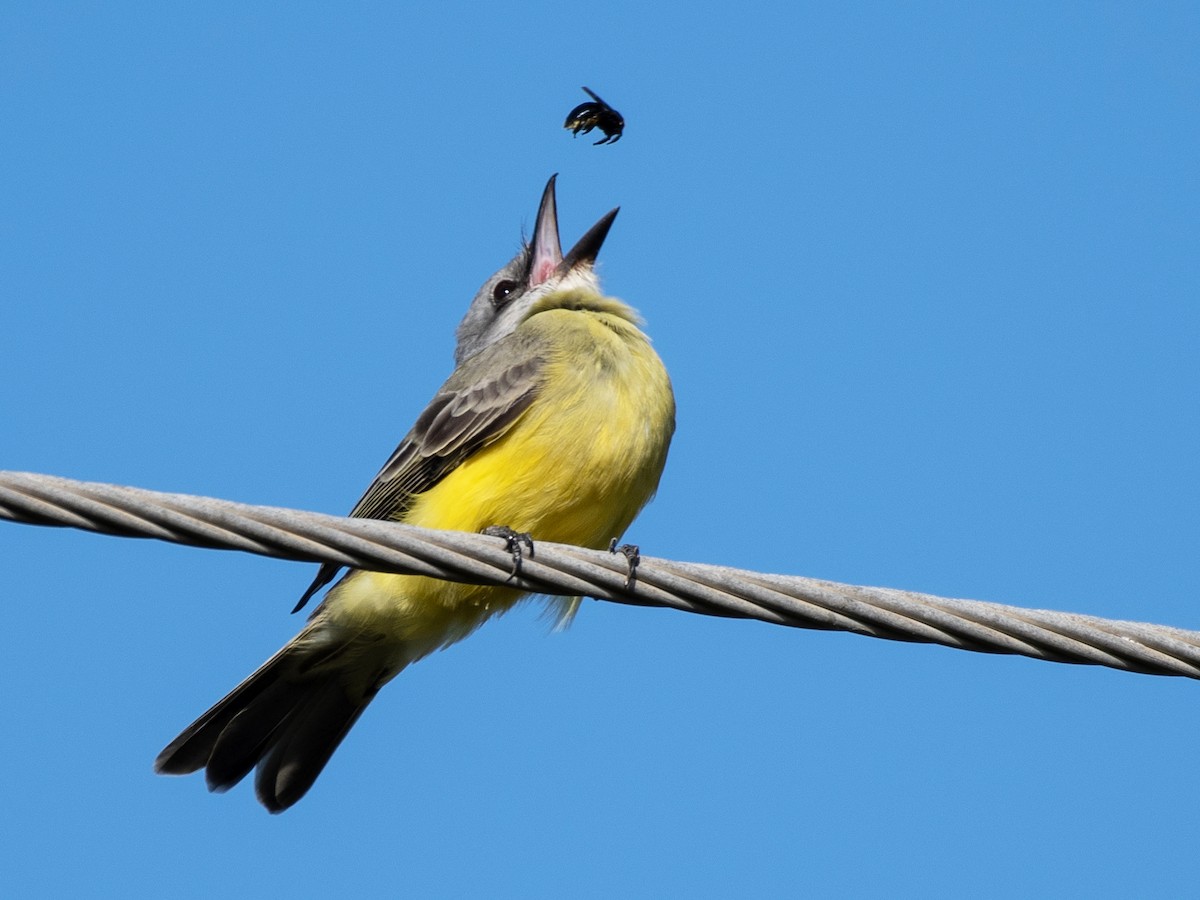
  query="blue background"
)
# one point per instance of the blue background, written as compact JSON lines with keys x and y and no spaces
{"x":927,"y":278}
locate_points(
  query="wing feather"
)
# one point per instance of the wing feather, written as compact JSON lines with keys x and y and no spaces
{"x":477,"y":405}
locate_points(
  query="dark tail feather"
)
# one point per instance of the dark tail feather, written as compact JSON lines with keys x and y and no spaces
{"x":299,"y":752}
{"x":287,"y":719}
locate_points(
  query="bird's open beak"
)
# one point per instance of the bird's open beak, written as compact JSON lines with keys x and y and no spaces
{"x":546,"y":256}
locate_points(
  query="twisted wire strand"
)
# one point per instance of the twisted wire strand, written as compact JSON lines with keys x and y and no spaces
{"x":571,"y":571}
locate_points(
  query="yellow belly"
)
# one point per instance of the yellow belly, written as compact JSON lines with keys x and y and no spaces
{"x":576,"y":469}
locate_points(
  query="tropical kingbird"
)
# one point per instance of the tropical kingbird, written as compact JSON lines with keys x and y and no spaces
{"x":555,"y":424}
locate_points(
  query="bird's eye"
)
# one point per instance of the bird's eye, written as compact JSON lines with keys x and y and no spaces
{"x":502,"y":291}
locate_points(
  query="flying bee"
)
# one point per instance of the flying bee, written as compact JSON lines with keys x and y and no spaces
{"x":599,"y":114}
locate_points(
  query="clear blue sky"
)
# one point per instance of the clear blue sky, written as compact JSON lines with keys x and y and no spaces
{"x":927,"y":278}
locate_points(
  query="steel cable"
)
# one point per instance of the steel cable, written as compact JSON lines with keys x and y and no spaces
{"x":573,"y":571}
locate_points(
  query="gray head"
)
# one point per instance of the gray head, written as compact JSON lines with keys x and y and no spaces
{"x":538,"y":269}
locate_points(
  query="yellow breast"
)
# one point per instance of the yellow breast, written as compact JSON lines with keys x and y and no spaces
{"x":587,"y":455}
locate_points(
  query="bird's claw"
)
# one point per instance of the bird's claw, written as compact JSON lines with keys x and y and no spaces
{"x":513,"y":541}
{"x":633,"y":555}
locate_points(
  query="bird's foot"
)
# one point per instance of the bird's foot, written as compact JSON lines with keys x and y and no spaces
{"x":513,"y":540}
{"x":633,"y":555}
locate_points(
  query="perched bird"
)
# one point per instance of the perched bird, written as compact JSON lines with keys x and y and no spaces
{"x":596,"y":114}
{"x":555,"y":423}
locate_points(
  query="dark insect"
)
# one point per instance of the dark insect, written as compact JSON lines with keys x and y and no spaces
{"x":599,"y":114}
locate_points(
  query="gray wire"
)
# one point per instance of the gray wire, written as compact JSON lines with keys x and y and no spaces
{"x":571,"y":571}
